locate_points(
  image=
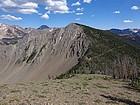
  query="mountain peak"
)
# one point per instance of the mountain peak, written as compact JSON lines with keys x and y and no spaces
{"x":3,"y":26}
{"x":42,"y":27}
{"x":9,"y":34}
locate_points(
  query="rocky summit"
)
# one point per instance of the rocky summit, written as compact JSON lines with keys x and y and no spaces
{"x":28,"y":55}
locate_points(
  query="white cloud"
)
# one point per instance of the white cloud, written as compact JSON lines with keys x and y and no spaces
{"x":39,"y":13}
{"x":76,"y":4}
{"x":135,"y":8}
{"x":30,"y":6}
{"x":57,"y":6}
{"x":19,"y":6}
{"x":72,"y":12}
{"x":8,"y":3}
{"x":80,"y":9}
{"x":127,"y":21}
{"x":79,"y":13}
{"x":49,"y":12}
{"x":116,"y":12}
{"x":77,"y":19}
{"x":45,"y":16}
{"x":10,"y":17}
{"x":87,"y":1}
{"x":27,"y":11}
{"x":92,"y":15}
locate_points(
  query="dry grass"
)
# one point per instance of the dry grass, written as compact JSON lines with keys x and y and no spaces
{"x":78,"y":90}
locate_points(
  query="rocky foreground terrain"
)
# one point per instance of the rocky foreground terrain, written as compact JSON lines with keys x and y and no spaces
{"x":79,"y":90}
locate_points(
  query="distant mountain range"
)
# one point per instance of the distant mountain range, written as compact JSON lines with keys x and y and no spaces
{"x":126,"y":31}
{"x":130,"y":34}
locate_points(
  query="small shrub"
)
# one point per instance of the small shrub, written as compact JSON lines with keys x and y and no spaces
{"x":85,"y":84}
{"x":15,"y":91}
{"x":45,"y":92}
{"x":101,"y":86}
{"x":97,"y":101}
{"x":111,"y":102}
{"x":41,"y":96}
{"x":81,"y":103}
{"x":2,"y":85}
{"x":45,"y":84}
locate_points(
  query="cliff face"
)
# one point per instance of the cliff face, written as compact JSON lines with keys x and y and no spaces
{"x":42,"y":54}
{"x":37,"y":55}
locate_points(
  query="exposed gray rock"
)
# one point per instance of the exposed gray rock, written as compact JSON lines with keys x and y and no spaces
{"x":40,"y":54}
{"x":10,"y":34}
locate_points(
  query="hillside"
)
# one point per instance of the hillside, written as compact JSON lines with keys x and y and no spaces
{"x":135,"y":39}
{"x":108,"y":54}
{"x":62,"y":52}
{"x":42,"y":54}
{"x":79,"y":90}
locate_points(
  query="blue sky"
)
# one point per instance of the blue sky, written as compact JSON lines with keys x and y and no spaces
{"x":101,"y":14}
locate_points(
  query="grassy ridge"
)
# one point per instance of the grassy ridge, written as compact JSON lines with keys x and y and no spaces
{"x":108,"y":54}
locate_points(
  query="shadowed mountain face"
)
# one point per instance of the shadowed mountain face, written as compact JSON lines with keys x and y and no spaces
{"x":133,"y":38}
{"x":130,"y":34}
{"x":126,"y":31}
{"x":108,"y":54}
{"x":44,"y":54}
